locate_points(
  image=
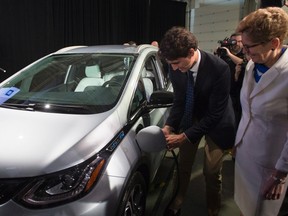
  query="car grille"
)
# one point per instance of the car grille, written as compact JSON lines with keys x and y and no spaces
{"x":9,"y":189}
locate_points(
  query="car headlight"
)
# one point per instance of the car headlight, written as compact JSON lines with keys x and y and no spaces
{"x":66,"y":185}
{"x":63,"y":186}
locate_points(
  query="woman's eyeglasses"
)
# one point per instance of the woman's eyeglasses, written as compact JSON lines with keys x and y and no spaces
{"x":247,"y":47}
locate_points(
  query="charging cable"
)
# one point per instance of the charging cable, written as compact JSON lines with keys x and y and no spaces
{"x":176,"y":186}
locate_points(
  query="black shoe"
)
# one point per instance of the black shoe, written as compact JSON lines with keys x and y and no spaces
{"x":171,"y":212}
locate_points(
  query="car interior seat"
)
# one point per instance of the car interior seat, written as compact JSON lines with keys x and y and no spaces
{"x":93,"y":78}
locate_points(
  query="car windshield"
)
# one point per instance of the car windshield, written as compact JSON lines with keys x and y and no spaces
{"x":69,"y":83}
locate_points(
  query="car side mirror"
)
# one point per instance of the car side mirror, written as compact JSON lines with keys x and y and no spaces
{"x":160,"y":99}
{"x":151,"y":139}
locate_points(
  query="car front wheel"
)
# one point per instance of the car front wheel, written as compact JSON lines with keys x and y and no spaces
{"x":134,"y":200}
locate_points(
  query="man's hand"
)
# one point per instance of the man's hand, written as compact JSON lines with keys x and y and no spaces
{"x":167,"y":130}
{"x":227,"y":50}
{"x":175,"y":140}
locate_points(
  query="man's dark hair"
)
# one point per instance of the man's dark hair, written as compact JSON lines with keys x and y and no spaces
{"x":177,"y":43}
{"x":235,"y":34}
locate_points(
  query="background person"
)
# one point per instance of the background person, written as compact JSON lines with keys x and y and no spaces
{"x":155,"y":43}
{"x":130,"y":43}
{"x":261,"y":144}
{"x":233,"y":55}
{"x":212,"y":112}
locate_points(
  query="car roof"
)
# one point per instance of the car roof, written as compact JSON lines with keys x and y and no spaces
{"x":126,"y":49}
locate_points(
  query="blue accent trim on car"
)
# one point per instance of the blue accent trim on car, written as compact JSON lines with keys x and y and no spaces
{"x":120,"y":136}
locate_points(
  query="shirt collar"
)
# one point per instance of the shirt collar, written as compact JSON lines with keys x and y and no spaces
{"x":196,"y":65}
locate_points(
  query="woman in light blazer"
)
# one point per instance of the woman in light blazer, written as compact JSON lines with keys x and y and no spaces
{"x":261,"y":145}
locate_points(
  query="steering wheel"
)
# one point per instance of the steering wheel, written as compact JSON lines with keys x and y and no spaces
{"x":113,"y":83}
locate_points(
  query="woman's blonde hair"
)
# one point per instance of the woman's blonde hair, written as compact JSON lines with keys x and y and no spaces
{"x":265,"y":24}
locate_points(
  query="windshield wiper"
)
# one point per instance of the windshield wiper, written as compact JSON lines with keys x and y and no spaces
{"x":18,"y":106}
{"x":46,"y":107}
{"x":66,"y":108}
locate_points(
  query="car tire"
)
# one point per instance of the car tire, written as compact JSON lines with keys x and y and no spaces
{"x":134,"y":199}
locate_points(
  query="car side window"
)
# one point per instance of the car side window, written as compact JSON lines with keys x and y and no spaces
{"x":148,"y":80}
{"x":162,"y":67}
{"x":157,"y":72}
{"x":139,"y":98}
{"x":152,"y":79}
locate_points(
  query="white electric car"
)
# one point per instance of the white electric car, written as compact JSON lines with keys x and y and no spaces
{"x":68,"y":129}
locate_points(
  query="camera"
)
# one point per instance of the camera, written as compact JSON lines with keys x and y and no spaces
{"x":227,"y":42}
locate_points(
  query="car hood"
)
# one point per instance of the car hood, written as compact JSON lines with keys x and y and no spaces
{"x":37,"y":143}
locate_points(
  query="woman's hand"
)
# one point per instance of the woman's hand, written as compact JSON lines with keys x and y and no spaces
{"x":274,"y":187}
